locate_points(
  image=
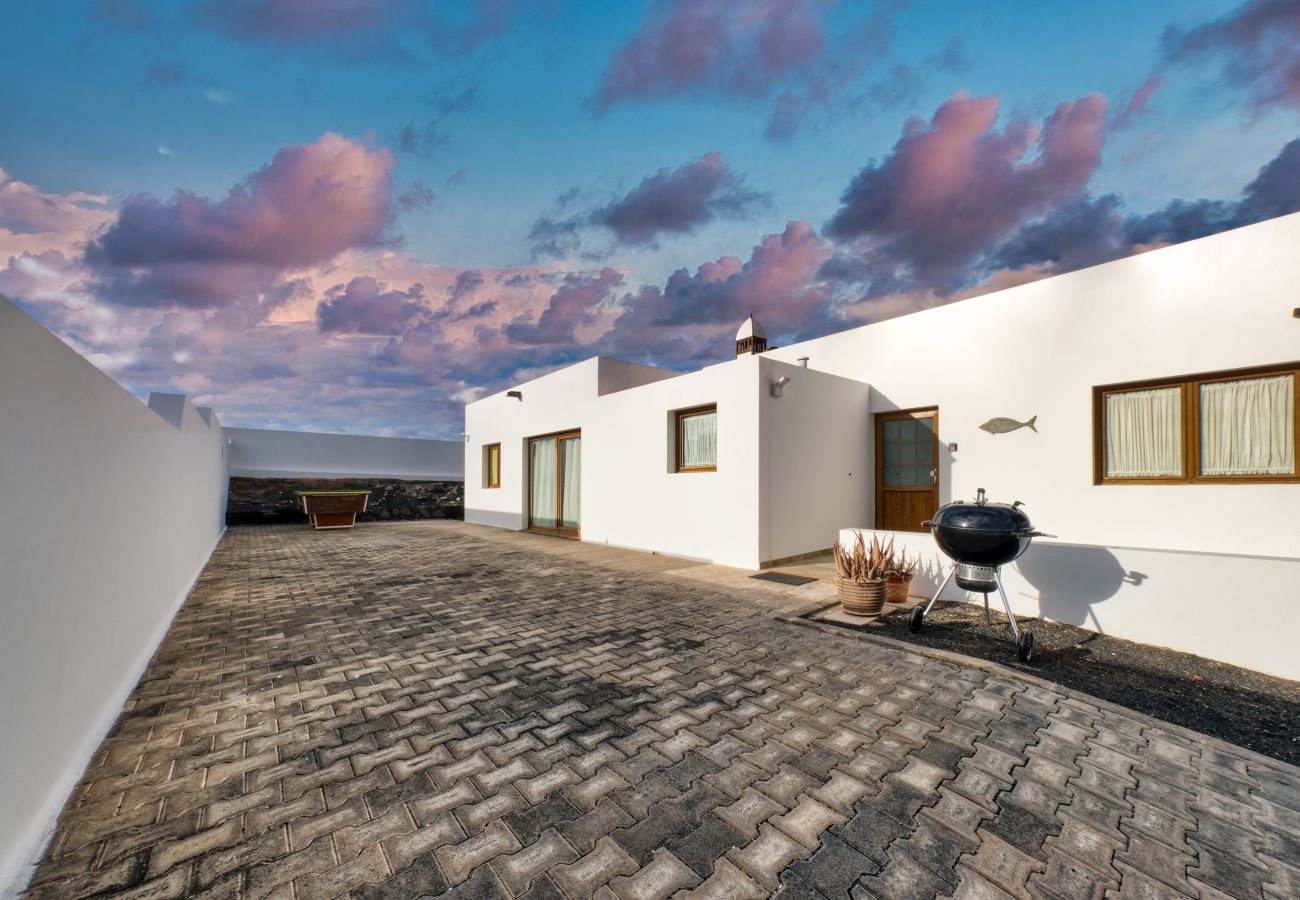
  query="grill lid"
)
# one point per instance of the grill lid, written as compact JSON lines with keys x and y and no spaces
{"x":983,"y":516}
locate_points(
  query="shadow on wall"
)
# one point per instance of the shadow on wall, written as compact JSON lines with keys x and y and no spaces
{"x":1071,"y":580}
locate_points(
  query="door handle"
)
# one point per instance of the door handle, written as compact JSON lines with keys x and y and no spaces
{"x":934,"y":476}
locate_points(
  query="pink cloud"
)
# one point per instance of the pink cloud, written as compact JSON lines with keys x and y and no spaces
{"x":1138,"y":103}
{"x":299,"y":20}
{"x":1256,"y":47}
{"x":308,"y":205}
{"x":679,"y":200}
{"x":954,"y":187}
{"x":671,"y":201}
{"x":364,"y":307}
{"x":740,"y":48}
{"x":34,"y":221}
{"x":578,"y":302}
{"x":689,"y":319}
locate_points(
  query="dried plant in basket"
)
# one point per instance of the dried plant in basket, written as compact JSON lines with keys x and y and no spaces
{"x":902,"y":565}
{"x":866,"y":562}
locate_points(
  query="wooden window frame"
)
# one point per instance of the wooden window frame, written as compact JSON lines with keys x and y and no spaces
{"x":1190,"y":410}
{"x":487,"y":465}
{"x":681,"y":416}
{"x":557,"y":531}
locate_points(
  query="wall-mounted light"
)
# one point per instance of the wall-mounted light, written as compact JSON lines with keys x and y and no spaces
{"x":778,"y":384}
{"x":803,"y":361}
{"x":518,"y":395}
{"x":465,"y":435}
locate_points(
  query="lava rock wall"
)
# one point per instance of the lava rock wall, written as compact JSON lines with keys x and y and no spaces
{"x":271,"y":501}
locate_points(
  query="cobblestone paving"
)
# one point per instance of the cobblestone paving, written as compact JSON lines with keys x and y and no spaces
{"x":437,"y":709}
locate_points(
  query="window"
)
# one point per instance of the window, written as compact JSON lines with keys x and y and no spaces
{"x":697,"y":439}
{"x":492,"y":465}
{"x":1219,"y":427}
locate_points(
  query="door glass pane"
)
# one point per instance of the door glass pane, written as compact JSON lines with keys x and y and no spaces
{"x":890,"y":432}
{"x":925,"y":451}
{"x":892,"y":476}
{"x":570,"y":481}
{"x":891,"y":452}
{"x":907,"y":430}
{"x":908,"y":452}
{"x":925,"y":429}
{"x":542,"y":486}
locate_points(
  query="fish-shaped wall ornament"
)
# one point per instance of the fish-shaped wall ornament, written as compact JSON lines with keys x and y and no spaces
{"x":1002,"y":425}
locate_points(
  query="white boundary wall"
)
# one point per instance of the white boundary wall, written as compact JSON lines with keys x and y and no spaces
{"x":111,"y":509}
{"x":263,"y":453}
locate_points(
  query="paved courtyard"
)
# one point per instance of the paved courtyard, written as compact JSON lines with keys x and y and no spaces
{"x":435,"y":708}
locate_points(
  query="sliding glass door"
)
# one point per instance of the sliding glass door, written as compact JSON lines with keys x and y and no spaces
{"x":555,"y":482}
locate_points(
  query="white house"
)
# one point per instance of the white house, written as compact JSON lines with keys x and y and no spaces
{"x":1162,"y":389}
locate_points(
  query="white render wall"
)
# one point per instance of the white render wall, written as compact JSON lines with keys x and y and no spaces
{"x":816,"y":448}
{"x":111,"y":509}
{"x":261,"y":453}
{"x":1218,"y":303}
{"x":1209,"y":569}
{"x":1221,"y":302}
{"x":630,"y":495}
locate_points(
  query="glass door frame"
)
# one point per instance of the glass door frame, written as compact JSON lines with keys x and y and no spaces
{"x":556,"y":436}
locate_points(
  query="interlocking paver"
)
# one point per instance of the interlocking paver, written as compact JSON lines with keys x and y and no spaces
{"x":397,"y":711}
{"x":518,"y":870}
{"x":661,"y":878}
{"x":586,"y":876}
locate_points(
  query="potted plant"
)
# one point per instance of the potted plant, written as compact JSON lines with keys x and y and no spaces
{"x":901,"y":569}
{"x":860,"y":575}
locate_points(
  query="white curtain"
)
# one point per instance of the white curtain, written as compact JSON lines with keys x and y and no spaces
{"x":571,"y":483}
{"x":700,"y":441}
{"x":1144,"y":433}
{"x":542,"y":484}
{"x":1248,"y":426}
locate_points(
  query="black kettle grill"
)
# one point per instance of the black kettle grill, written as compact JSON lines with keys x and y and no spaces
{"x":981,"y":537}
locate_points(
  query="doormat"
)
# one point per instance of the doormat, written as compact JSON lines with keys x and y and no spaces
{"x":782,"y":578}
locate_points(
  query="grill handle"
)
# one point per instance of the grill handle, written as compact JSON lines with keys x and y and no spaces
{"x":1033,"y":534}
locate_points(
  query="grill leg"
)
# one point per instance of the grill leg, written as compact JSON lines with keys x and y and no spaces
{"x":951,"y":572}
{"x":988,"y":619}
{"x":1011,"y":620}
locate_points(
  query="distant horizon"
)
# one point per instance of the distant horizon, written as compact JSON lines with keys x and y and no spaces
{"x":354,"y":223}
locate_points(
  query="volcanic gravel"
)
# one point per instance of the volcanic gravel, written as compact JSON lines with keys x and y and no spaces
{"x":1234,"y":704}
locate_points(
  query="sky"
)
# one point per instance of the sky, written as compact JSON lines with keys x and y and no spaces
{"x":358,"y":215}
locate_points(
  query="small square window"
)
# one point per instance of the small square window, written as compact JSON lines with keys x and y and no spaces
{"x":492,"y":466}
{"x":697,"y":439}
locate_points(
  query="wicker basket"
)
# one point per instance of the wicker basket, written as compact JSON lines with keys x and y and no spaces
{"x":896,"y":592}
{"x":857,"y":599}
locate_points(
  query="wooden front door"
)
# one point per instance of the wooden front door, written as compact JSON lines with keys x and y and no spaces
{"x":907,"y":469}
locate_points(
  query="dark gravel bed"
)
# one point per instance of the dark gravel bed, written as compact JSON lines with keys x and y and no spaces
{"x":1236,"y":705}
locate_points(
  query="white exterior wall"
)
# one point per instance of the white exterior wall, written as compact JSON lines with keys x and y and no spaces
{"x":817,"y":459}
{"x":111,"y":510}
{"x":1209,"y":569}
{"x":1222,"y":302}
{"x":631,"y":497}
{"x":259,"y":453}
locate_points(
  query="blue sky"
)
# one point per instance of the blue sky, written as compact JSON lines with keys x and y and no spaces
{"x":765,"y":140}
